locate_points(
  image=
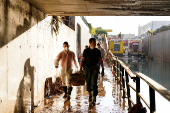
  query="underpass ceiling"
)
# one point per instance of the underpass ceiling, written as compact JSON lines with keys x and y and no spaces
{"x":103,"y":7}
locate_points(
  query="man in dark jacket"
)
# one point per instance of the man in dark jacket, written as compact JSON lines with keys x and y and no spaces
{"x":90,"y":61}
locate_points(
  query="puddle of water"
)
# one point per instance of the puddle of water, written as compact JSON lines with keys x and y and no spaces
{"x":109,"y":99}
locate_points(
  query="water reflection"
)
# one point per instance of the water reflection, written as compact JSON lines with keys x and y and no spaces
{"x":109,"y":99}
{"x":157,"y":70}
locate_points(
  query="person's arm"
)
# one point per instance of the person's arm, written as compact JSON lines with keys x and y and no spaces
{"x":82,"y":59}
{"x":56,"y":62}
{"x":101,"y":62}
{"x":81,"y":63}
{"x":74,"y":60}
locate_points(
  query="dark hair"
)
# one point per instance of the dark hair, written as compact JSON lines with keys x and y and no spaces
{"x":98,"y":44}
{"x":86,"y":46}
{"x":92,"y":39}
{"x":65,"y":43}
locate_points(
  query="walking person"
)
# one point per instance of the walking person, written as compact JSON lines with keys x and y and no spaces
{"x":99,"y":37}
{"x":101,"y":50}
{"x":67,"y":58}
{"x":102,"y":37}
{"x":90,"y":59}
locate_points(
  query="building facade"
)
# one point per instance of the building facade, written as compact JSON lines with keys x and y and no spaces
{"x":142,"y":30}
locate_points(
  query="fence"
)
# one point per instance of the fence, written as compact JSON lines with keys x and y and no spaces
{"x":123,"y":73}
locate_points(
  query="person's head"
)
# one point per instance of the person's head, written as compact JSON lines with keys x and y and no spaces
{"x":92,"y":42}
{"x":65,"y":45}
{"x":86,"y":46}
{"x":98,"y":45}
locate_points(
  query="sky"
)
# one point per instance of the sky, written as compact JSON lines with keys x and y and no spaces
{"x":123,"y":24}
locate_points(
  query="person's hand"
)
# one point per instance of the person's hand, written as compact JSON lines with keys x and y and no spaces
{"x":102,"y":73}
{"x":81,"y":71}
{"x":77,"y":69}
{"x":56,"y":66}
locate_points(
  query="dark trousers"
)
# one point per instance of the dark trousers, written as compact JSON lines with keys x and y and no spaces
{"x":91,"y":80}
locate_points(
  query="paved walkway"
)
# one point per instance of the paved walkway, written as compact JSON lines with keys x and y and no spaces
{"x":108,"y":100}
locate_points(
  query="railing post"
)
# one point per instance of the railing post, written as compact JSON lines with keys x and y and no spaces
{"x":114,"y":66}
{"x":137,"y":89}
{"x":120,"y":75}
{"x":123,"y":82}
{"x":152,"y":100}
{"x":116,"y":69}
{"x":128,"y":89}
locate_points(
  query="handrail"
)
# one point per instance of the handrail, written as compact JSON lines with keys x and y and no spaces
{"x":157,"y":87}
{"x":130,"y":73}
{"x":122,"y":73}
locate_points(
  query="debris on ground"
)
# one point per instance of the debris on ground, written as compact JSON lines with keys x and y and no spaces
{"x":58,"y":89}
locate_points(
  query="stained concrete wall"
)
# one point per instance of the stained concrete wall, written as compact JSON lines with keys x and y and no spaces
{"x":85,"y":36}
{"x":28,"y":48}
{"x":159,"y":46}
{"x":26,"y":55}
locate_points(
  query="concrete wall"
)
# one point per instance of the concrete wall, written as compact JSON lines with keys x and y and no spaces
{"x":28,"y":48}
{"x":26,"y":55}
{"x":85,"y":36}
{"x":159,"y":48}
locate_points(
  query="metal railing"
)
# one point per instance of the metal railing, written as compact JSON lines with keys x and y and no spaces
{"x":123,"y":73}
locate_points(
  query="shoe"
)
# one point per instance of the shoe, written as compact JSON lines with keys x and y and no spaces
{"x":93,"y":103}
{"x":70,"y":90}
{"x":65,"y":91}
{"x":69,"y":93}
{"x":47,"y":97}
{"x":90,"y":98}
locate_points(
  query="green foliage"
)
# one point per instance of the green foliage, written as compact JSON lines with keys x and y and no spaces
{"x":154,"y":33}
{"x":99,"y":30}
{"x":93,"y":31}
{"x":119,"y":35}
{"x":163,"y":28}
{"x":55,"y":24}
{"x":84,"y":20}
{"x":90,"y":26}
{"x":158,"y":30}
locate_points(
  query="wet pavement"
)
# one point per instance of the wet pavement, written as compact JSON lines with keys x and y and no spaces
{"x":109,"y":99}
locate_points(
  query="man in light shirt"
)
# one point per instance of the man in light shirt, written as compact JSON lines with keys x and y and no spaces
{"x":67,"y":58}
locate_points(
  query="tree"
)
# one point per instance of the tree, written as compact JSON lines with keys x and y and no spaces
{"x":164,"y":28}
{"x":119,"y":35}
{"x":99,"y":30}
{"x":93,"y":31}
